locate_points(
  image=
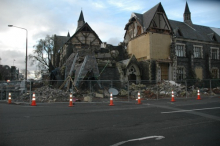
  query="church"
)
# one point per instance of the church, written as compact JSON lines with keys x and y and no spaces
{"x":172,"y":50}
{"x":155,"y":48}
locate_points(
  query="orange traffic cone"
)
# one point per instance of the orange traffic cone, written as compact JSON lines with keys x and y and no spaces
{"x":139,"y":98}
{"x":33,"y":100}
{"x":172,"y":99}
{"x":9,"y":98}
{"x":198,"y":96}
{"x":111,"y":100}
{"x":71,"y":100}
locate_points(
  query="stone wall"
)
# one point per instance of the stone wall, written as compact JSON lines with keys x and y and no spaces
{"x":197,"y":62}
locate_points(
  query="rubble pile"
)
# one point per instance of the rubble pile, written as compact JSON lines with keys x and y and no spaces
{"x":216,"y":90}
{"x":148,"y":91}
{"x":164,"y":89}
{"x":47,"y":94}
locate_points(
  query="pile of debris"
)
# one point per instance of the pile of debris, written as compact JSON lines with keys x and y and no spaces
{"x":164,"y":90}
{"x":47,"y":94}
{"x":216,"y":90}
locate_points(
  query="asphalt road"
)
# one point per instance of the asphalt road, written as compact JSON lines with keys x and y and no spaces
{"x":188,"y":122}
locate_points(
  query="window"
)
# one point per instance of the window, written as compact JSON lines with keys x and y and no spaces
{"x":214,"y":53}
{"x":138,"y":30}
{"x":197,"y":51}
{"x":180,"y":73}
{"x":179,"y":33}
{"x":215,"y":73}
{"x":214,"y":38}
{"x":180,"y":50}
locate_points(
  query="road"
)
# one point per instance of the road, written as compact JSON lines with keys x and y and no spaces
{"x":153,"y":123}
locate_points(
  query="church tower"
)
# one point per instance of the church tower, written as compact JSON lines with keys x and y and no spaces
{"x":81,"y":21}
{"x":187,"y":15}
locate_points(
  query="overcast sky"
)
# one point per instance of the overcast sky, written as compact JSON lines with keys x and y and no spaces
{"x":106,"y":17}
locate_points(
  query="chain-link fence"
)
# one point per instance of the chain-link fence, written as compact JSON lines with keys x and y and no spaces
{"x":99,"y":90}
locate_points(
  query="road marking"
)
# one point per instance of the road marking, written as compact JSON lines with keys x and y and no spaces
{"x":138,"y":139}
{"x":189,"y":110}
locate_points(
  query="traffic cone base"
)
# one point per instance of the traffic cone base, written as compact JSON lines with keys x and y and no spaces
{"x":172,"y":99}
{"x":111,"y":103}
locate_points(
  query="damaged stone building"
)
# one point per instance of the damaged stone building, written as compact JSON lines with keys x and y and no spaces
{"x":154,"y":48}
{"x":84,"y":56}
{"x":172,"y":50}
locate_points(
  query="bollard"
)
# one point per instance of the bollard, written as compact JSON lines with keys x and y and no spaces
{"x":111,"y":100}
{"x":71,"y":100}
{"x":139,"y":98}
{"x":172,"y":98}
{"x":198,"y":96}
{"x":33,"y":100}
{"x":9,"y":98}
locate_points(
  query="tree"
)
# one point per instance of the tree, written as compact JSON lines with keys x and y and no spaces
{"x":42,"y":54}
{"x":23,"y":72}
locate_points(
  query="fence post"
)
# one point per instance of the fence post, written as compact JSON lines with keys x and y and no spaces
{"x":29,"y":91}
{"x":210,"y":87}
{"x":1,"y":91}
{"x":128,"y":90}
{"x":90,"y":86}
{"x":157,"y":91}
{"x":186,"y":87}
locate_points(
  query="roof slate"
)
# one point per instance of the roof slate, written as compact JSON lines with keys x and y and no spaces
{"x":196,"y":32}
{"x":149,"y":15}
{"x":146,"y":18}
{"x":60,"y":41}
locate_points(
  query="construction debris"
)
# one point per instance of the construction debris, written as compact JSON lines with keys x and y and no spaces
{"x":147,"y":91}
{"x":47,"y":94}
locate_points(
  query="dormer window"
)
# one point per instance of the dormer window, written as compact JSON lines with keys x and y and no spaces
{"x":179,"y":33}
{"x":214,"y":38}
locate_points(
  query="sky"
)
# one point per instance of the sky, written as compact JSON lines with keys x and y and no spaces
{"x":106,"y":17}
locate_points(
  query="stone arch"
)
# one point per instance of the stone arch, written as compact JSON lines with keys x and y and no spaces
{"x":133,"y":73}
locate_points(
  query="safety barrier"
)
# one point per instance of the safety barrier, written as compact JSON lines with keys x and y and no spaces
{"x":99,"y":90}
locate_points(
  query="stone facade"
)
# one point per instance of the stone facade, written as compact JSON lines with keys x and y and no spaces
{"x":191,"y":51}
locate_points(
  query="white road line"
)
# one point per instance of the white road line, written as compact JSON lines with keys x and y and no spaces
{"x":138,"y":139}
{"x":190,"y":110}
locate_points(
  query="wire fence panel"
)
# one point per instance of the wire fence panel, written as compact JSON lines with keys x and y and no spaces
{"x":99,"y":90}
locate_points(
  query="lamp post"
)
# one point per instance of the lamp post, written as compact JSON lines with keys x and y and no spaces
{"x":26,"y":48}
{"x":13,"y":62}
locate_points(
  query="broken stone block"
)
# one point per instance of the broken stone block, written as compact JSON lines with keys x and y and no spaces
{"x":123,"y":92}
{"x":99,"y":95}
{"x":88,"y":99}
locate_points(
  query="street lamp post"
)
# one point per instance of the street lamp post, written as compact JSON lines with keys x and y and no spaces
{"x":13,"y":62}
{"x":26,"y":48}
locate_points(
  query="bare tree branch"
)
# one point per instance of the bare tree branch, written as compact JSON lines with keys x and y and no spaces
{"x":42,"y":53}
